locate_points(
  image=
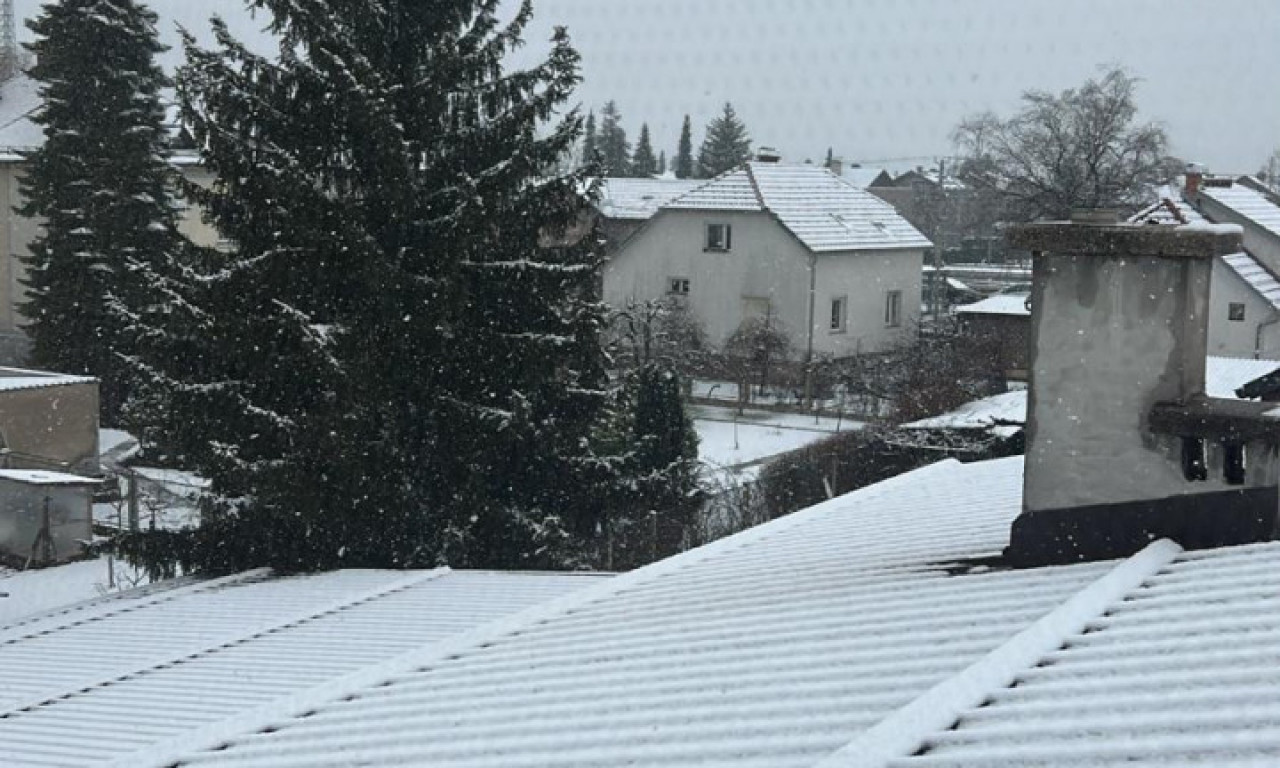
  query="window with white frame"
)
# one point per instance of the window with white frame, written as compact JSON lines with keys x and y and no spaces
{"x":839,"y":313}
{"x":677,"y":286}
{"x":719,"y":237}
{"x":893,"y":309}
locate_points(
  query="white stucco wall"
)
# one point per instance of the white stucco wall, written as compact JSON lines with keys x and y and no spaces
{"x":866,"y":277}
{"x":17,"y":232}
{"x":1110,"y":338}
{"x":1229,"y":338}
{"x":766,"y":262}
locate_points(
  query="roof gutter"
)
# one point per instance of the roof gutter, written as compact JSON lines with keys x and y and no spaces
{"x":808,"y":355}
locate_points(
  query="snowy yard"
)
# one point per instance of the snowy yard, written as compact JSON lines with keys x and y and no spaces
{"x":758,"y":435}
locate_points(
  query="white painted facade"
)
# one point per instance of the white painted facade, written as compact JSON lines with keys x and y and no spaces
{"x":1257,"y":331}
{"x":766,"y":263}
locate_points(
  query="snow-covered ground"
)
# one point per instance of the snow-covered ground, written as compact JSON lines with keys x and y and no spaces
{"x":37,"y":591}
{"x":759,"y":434}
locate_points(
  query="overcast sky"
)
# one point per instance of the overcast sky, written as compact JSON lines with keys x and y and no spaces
{"x":888,"y":79}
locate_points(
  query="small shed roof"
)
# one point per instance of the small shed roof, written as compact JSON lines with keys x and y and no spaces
{"x":1014,"y":304}
{"x":44,"y":477}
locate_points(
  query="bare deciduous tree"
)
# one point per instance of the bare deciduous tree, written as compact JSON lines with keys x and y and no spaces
{"x":1077,"y":149}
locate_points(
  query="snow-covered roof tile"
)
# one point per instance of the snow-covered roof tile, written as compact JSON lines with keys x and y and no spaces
{"x":1003,"y":304}
{"x":1248,"y":203}
{"x":1224,"y":375}
{"x":1169,"y":209}
{"x":1256,"y":275}
{"x":825,"y":212}
{"x":639,"y":199}
{"x":100,"y":681}
{"x":988,"y":412}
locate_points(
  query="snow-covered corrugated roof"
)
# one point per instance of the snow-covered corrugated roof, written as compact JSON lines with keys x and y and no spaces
{"x":825,"y":212}
{"x":639,"y":199}
{"x":873,"y":629}
{"x":98,"y":682}
{"x":1003,"y":304}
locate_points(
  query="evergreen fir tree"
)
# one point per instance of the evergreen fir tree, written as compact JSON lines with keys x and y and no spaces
{"x":589,"y":147}
{"x":726,"y":146}
{"x":101,"y":184}
{"x":830,"y":161}
{"x":684,"y":152}
{"x":390,"y":368}
{"x":615,"y":150}
{"x":643,"y":163}
{"x":662,"y":162}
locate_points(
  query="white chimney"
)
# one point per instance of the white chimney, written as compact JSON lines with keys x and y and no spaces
{"x":1122,"y":445}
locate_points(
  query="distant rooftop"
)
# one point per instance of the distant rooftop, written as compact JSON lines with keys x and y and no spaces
{"x":21,"y":378}
{"x":640,"y":199}
{"x":826,"y":213}
{"x":1002,"y":304}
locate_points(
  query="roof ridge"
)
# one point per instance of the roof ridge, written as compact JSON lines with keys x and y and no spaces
{"x":755,"y":186}
{"x":907,"y":729}
{"x":231,"y":640}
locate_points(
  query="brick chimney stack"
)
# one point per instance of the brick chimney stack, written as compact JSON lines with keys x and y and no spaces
{"x":1194,"y":179}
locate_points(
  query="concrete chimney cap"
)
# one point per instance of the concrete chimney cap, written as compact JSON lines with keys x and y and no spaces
{"x":1205,"y":241}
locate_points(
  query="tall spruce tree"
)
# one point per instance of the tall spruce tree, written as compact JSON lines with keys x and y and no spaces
{"x":100,"y":182}
{"x":615,"y":150}
{"x":684,"y":152}
{"x":726,"y":146}
{"x":589,"y":146}
{"x":643,"y":163}
{"x":391,"y":367}
{"x":662,"y":162}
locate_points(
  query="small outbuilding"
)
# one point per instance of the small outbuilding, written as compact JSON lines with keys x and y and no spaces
{"x":45,"y":517}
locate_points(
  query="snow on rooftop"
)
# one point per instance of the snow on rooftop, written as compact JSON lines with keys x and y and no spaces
{"x":97,"y":682}
{"x":44,"y":477}
{"x":1252,"y":272}
{"x":1002,"y":304}
{"x":20,"y":378}
{"x":1223,"y":376}
{"x":639,"y":199}
{"x":826,"y":213}
{"x":1248,"y":203}
{"x":987,"y":412}
{"x":873,"y":629}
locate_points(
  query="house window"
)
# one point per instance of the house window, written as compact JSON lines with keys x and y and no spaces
{"x":719,"y":237}
{"x":677,"y":286}
{"x":1235,"y":312}
{"x":839,"y":311}
{"x":893,"y":309}
{"x":1233,"y":463}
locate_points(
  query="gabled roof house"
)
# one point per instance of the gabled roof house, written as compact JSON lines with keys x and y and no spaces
{"x":836,"y":267}
{"x":1107,"y":601}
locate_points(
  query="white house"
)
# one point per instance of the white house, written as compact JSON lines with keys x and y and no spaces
{"x":834,"y":266}
{"x":1244,"y":319}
